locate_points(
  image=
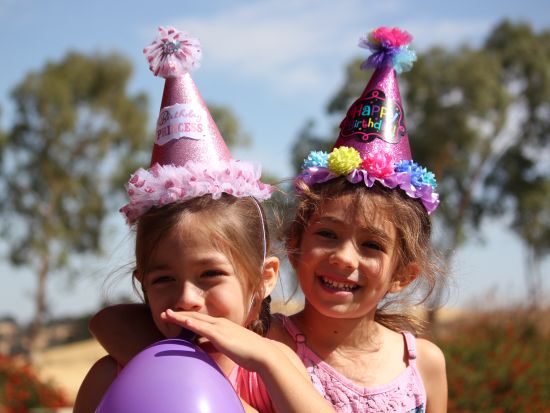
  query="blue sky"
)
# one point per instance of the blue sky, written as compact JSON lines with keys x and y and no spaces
{"x":276,"y":63}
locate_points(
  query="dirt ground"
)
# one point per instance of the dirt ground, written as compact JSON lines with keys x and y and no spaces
{"x":66,"y":366}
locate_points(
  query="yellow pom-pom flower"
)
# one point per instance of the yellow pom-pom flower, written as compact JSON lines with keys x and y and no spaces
{"x":343,"y":160}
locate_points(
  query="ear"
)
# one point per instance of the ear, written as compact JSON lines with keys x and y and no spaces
{"x":137,"y":276}
{"x":406,"y":275}
{"x":270,"y":274}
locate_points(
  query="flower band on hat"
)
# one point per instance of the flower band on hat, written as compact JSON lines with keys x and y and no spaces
{"x":407,"y":175}
{"x":373,"y":145}
{"x":190,"y":157}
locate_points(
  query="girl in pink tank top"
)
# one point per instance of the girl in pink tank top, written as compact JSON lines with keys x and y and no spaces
{"x":360,"y":247}
{"x":404,"y":393}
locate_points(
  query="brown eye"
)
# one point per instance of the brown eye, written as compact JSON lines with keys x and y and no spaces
{"x":213,"y":273}
{"x":373,"y":245}
{"x":325,"y":233}
{"x":162,"y":279}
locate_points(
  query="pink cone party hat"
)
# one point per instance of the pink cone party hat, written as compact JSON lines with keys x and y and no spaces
{"x":373,"y":144}
{"x":190,"y":157}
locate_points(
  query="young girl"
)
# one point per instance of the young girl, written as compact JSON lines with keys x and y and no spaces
{"x":360,"y":245}
{"x":195,"y":211}
{"x":361,"y":236}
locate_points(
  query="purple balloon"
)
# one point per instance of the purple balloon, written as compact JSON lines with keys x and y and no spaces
{"x":171,"y":376}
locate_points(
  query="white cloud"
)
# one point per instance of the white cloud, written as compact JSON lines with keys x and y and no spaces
{"x":295,"y":45}
{"x":298,"y":46}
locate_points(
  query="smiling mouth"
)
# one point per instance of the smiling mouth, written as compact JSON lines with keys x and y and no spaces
{"x":338,"y":285}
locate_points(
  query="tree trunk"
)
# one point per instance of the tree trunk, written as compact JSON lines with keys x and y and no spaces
{"x":35,"y":342}
{"x":533,"y":279}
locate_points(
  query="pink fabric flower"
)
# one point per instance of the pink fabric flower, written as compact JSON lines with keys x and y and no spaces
{"x":378,"y":164}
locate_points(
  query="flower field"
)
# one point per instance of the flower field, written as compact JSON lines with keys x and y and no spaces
{"x":498,"y":361}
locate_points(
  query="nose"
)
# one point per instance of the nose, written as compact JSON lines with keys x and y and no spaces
{"x":345,"y":255}
{"x":190,"y":298}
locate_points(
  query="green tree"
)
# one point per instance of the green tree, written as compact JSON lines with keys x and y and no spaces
{"x":523,"y":174}
{"x":229,"y":126}
{"x":74,"y":123}
{"x":479,"y":119}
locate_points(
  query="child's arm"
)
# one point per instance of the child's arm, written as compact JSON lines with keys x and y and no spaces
{"x":124,"y":330}
{"x":95,"y":384}
{"x":281,"y":370}
{"x":431,"y":363}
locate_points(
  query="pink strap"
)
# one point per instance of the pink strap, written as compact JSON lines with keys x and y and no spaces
{"x":292,"y":329}
{"x":251,"y":389}
{"x":410,"y":342}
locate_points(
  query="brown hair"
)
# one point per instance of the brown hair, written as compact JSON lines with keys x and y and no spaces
{"x":236,"y":226}
{"x":413,"y":228}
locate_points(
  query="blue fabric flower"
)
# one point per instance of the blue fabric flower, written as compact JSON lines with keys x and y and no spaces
{"x":316,"y":159}
{"x":405,"y":166}
{"x":416,"y":177}
{"x":429,"y":178}
{"x":415,"y":171}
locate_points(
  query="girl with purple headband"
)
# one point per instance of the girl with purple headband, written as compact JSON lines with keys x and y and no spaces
{"x":360,"y":246}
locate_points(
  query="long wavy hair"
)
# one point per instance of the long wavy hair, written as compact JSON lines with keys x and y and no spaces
{"x":413,"y":228}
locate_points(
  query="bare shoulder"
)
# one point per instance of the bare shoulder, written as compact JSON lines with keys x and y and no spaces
{"x":431,"y":364}
{"x":430,"y":356}
{"x":95,"y":384}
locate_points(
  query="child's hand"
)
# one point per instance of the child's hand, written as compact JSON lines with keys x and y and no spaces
{"x":282,"y":372}
{"x":243,"y":346}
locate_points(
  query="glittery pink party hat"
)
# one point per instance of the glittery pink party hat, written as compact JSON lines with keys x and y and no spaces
{"x":373,"y":145}
{"x":376,"y":121}
{"x":185,"y":128}
{"x":190,"y":158}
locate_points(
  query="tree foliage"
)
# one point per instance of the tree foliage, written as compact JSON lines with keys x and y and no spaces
{"x":479,"y":118}
{"x":75,"y":128}
{"x":229,"y":126}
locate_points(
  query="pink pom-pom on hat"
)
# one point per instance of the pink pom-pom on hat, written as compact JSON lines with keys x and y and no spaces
{"x":173,"y":53}
{"x":189,"y":157}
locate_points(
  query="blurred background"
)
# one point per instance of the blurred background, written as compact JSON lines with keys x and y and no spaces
{"x":78,"y":107}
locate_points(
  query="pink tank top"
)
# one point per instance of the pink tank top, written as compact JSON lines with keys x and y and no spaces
{"x":250,"y":387}
{"x":405,"y":393}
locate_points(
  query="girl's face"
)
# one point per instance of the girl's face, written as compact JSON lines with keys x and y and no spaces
{"x":345,"y":265}
{"x":188,"y":273}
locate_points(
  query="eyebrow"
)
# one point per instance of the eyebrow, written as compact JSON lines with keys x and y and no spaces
{"x":370,"y":229}
{"x":205,"y":262}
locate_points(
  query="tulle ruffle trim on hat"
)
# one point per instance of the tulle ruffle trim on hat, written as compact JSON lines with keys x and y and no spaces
{"x":161,"y":185}
{"x":416,"y":181}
